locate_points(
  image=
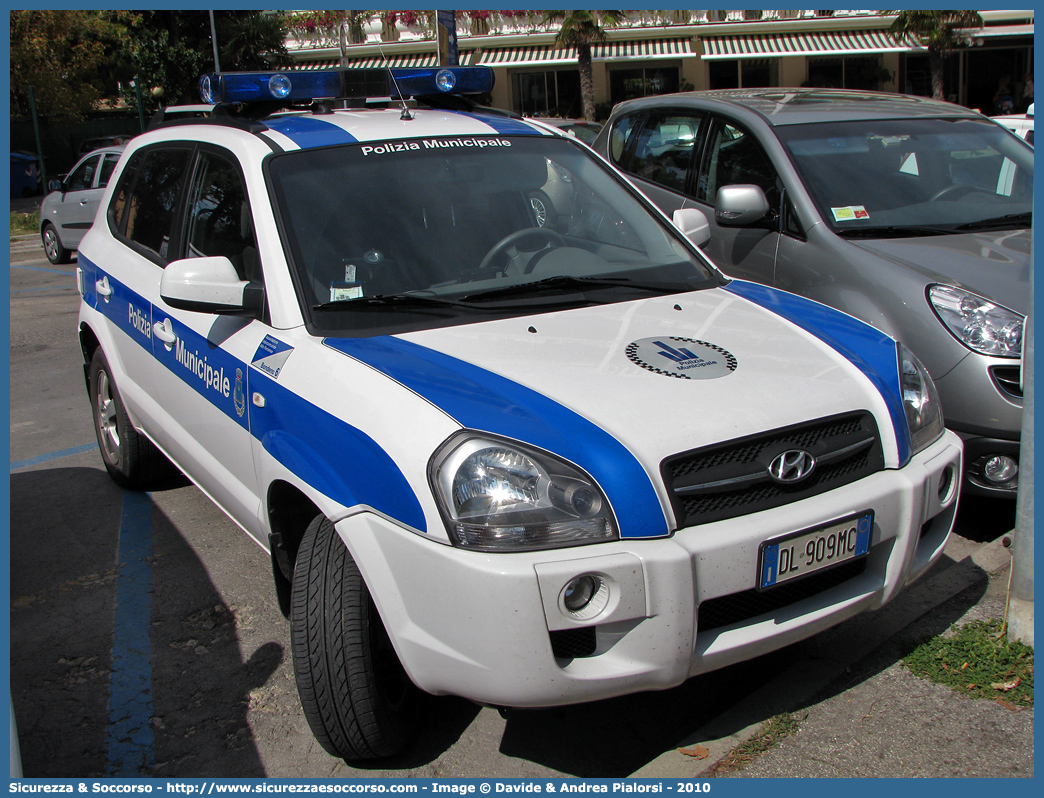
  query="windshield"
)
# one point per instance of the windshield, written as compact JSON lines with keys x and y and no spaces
{"x":914,"y":177}
{"x":395,"y":236}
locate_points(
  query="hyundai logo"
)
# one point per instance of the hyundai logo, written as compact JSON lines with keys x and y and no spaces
{"x":791,"y":466}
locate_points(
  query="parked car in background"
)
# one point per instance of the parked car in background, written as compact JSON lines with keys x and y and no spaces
{"x":97,"y":143}
{"x":1019,"y":124}
{"x":910,"y":214}
{"x":67,"y":213}
{"x":581,"y":128}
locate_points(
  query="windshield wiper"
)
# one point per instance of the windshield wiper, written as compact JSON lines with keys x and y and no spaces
{"x":583,"y":283}
{"x":896,"y":231}
{"x":1010,"y":220}
{"x":383,"y":300}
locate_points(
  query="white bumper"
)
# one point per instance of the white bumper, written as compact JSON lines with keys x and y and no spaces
{"x":480,"y":625}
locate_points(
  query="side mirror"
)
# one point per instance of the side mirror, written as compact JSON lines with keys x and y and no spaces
{"x":209,"y":285}
{"x":693,"y":223}
{"x":740,"y":205}
{"x":54,"y":185}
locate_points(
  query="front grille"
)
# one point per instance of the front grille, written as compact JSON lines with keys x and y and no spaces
{"x":731,"y":479}
{"x":1008,"y":380}
{"x":573,"y":643}
{"x":725,"y":610}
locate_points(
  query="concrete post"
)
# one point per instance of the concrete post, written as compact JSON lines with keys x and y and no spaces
{"x":1020,"y":608}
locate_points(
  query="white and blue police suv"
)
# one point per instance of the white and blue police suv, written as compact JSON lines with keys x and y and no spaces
{"x":505,"y":432}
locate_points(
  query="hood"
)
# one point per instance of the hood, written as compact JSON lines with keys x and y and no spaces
{"x":629,"y":384}
{"x":992,"y":264}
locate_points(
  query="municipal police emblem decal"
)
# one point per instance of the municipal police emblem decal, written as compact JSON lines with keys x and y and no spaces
{"x":684,"y":358}
{"x":239,"y":397}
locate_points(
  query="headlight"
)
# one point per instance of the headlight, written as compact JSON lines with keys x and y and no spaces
{"x":982,"y":326}
{"x":498,"y":495}
{"x":920,"y":400}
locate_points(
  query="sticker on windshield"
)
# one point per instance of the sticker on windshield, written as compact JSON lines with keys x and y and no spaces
{"x":684,"y":358}
{"x":271,"y":355}
{"x":848,"y":213}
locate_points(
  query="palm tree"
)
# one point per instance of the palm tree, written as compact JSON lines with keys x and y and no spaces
{"x":940,"y":32}
{"x":581,"y":29}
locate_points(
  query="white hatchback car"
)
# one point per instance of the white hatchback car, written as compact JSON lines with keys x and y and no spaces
{"x":1019,"y":124}
{"x":68,"y":211}
{"x":525,"y":461}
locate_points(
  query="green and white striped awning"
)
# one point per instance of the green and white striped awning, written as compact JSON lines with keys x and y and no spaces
{"x":547,"y":54}
{"x":309,"y":66}
{"x":403,"y":60}
{"x":853,"y":42}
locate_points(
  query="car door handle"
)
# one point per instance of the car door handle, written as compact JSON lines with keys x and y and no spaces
{"x":83,"y":202}
{"x":165,"y":332}
{"x":103,"y":288}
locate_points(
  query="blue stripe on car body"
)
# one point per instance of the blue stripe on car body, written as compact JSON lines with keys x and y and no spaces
{"x":481,"y":400}
{"x":326,"y":452}
{"x":309,"y":132}
{"x":869,"y":349}
{"x":331,"y":455}
{"x":505,"y":125}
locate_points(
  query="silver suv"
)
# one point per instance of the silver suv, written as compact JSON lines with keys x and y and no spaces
{"x":910,"y":214}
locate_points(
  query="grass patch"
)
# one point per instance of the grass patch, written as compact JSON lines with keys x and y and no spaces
{"x":977,"y":660}
{"x":765,"y":738}
{"x":24,"y":223}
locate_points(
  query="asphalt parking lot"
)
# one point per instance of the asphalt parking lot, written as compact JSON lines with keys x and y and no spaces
{"x":146,"y":638}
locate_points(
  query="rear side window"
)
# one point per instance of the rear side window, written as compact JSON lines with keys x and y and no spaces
{"x":82,"y":178}
{"x":108,"y":164}
{"x":145,"y":203}
{"x":663,"y":149}
{"x":620,"y":138}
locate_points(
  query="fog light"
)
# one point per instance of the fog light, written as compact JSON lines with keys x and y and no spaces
{"x":1000,"y":469}
{"x":579,"y":592}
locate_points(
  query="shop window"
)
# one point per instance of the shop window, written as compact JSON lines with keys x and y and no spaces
{"x":551,"y":93}
{"x":744,"y":73}
{"x":626,"y":84}
{"x":853,"y":72}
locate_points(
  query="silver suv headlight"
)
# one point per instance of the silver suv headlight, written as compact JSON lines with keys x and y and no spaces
{"x":981,"y":325}
{"x":500,"y":495}
{"x":920,"y":400}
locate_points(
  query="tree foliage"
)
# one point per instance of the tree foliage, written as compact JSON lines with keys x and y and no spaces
{"x":941,"y":32}
{"x":167,"y":51}
{"x":61,"y":54}
{"x":581,"y":29}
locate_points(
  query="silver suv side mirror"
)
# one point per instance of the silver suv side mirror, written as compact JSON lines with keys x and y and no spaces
{"x":740,"y":205}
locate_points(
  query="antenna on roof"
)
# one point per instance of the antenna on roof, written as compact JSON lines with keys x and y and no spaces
{"x":405,"y":116}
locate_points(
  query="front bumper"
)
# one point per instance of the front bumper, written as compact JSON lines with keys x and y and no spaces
{"x":982,"y":402}
{"x":487,"y":626}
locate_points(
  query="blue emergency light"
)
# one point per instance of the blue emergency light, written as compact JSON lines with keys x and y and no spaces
{"x":302,"y":87}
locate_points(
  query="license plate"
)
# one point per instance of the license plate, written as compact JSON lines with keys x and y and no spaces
{"x":813,"y":550}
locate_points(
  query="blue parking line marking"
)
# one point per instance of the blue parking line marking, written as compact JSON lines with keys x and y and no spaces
{"x":42,"y":269}
{"x":130,"y":737}
{"x":38,"y":290}
{"x":43,"y":458}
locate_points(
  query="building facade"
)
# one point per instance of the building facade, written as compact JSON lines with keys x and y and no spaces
{"x":658,"y":52}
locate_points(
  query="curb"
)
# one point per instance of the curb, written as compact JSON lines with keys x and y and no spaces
{"x":823,"y":662}
{"x":26,"y":247}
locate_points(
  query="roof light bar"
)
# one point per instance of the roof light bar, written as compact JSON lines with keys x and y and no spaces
{"x":303,"y":87}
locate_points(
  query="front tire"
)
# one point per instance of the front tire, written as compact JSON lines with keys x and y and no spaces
{"x":52,"y":245}
{"x":358,"y":700}
{"x":131,"y":459}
